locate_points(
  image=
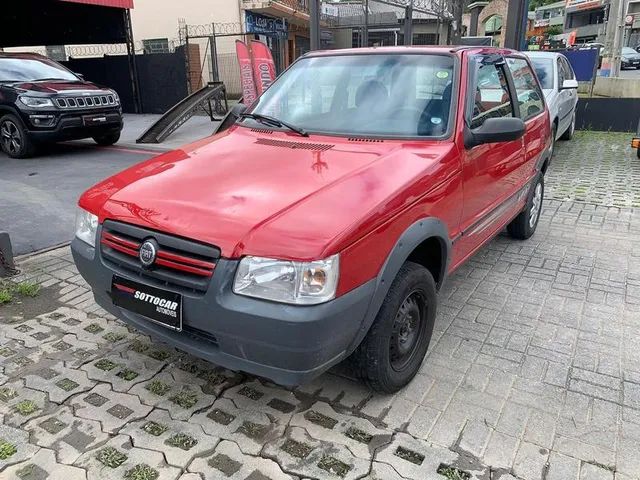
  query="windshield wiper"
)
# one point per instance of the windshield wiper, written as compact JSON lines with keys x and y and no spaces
{"x":275,"y":122}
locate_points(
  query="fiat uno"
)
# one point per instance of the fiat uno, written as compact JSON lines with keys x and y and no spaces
{"x":322,"y":224}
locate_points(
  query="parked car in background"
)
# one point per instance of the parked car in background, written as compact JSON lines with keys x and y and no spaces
{"x":630,"y":58}
{"x":321,"y":225}
{"x":560,"y":89}
{"x":42,"y":102}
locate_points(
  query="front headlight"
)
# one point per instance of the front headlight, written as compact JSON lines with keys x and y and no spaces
{"x":86,"y":227}
{"x":36,"y":102}
{"x":285,"y":281}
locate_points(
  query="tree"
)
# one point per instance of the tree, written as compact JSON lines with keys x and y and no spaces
{"x":457,"y":9}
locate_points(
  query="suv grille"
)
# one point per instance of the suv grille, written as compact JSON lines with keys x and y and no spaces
{"x":180,"y":264}
{"x":108,"y":100}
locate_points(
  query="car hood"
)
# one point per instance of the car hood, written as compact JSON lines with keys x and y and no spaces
{"x":53,"y":87}
{"x":267,"y":194}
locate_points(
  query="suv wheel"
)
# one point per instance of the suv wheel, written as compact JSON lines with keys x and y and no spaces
{"x":14,"y":139}
{"x":568,"y":133}
{"x":524,"y":225}
{"x":107,"y":139}
{"x":392,"y":352}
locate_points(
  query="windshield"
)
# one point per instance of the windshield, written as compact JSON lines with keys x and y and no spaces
{"x":628,"y":51}
{"x":30,"y":69}
{"x":380,"y":95}
{"x":544,"y":71}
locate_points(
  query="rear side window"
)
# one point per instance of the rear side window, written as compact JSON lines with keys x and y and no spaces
{"x":568,"y":70}
{"x":491,"y":94}
{"x":527,"y":88}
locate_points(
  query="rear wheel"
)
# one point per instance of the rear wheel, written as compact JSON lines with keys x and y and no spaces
{"x":568,"y":133}
{"x":394,"y":348}
{"x":524,"y":225}
{"x":107,"y":139}
{"x":14,"y":138}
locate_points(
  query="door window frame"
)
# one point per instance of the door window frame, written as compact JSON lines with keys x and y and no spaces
{"x":515,"y":92}
{"x":472,"y":80}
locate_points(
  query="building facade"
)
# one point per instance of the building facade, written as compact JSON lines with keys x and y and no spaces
{"x":587,"y":19}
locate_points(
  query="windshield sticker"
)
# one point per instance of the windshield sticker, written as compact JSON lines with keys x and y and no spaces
{"x":436,"y":120}
{"x":442,"y":74}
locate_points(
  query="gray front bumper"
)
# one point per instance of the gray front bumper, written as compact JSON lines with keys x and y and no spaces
{"x":285,"y":343}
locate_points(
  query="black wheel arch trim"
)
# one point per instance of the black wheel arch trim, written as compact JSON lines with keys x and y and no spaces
{"x":421,"y":230}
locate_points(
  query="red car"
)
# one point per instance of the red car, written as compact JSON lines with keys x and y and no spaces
{"x":321,"y":225}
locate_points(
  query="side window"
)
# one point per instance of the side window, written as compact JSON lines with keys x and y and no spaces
{"x":528,"y":91}
{"x":491,"y":95}
{"x":568,"y":70}
{"x":561,"y":72}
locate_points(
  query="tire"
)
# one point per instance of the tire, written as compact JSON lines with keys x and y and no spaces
{"x":568,"y":133}
{"x":392,"y":352}
{"x":14,"y":138}
{"x":638,"y":152}
{"x":107,"y":139}
{"x":524,"y":225}
{"x":554,"y":132}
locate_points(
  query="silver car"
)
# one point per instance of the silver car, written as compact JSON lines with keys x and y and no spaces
{"x":560,"y":88}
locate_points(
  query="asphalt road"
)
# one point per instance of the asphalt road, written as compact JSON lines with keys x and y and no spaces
{"x":630,"y":73}
{"x":38,"y":195}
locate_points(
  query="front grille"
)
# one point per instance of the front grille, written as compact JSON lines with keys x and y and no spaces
{"x":181,"y":264}
{"x":86,"y":101}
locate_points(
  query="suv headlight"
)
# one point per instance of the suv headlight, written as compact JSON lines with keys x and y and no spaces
{"x":86,"y":227}
{"x":285,"y":281}
{"x":35,"y":102}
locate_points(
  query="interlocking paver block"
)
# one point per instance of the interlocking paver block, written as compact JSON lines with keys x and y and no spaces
{"x":121,"y":446}
{"x":249,"y":428}
{"x":228,"y":458}
{"x":110,"y":413}
{"x":63,"y":384}
{"x":360,"y":436}
{"x":65,"y":433}
{"x":43,"y":465}
{"x":14,"y":446}
{"x":21,"y":403}
{"x":180,"y":442}
{"x":122,"y":371}
{"x":415,"y":459}
{"x":310,"y":464}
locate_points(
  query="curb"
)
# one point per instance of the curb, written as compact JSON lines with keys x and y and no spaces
{"x":25,"y":256}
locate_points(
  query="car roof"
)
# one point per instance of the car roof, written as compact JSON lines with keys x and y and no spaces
{"x":419,"y":49}
{"x":539,"y":54}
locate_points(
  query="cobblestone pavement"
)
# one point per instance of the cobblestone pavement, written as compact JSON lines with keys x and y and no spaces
{"x":533,"y":372}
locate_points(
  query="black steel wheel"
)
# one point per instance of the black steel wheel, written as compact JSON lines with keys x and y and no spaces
{"x":393,"y":350}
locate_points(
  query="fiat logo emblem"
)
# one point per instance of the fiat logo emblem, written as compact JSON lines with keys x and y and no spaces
{"x":148,"y":252}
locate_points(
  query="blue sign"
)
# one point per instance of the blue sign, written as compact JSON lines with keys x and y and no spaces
{"x":262,"y":25}
{"x":584,"y":62}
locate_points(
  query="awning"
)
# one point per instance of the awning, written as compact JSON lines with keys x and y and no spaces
{"x":105,"y":3}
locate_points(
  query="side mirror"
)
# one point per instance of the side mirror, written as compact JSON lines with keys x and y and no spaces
{"x":494,"y":130}
{"x":569,"y":84}
{"x":230,"y":118}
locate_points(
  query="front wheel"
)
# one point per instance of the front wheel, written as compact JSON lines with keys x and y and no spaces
{"x":107,"y":139}
{"x":524,"y":225}
{"x":568,"y":133}
{"x":392,"y":352}
{"x":14,"y":138}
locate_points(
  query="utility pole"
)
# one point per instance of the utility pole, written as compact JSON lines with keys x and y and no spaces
{"x":365,"y":30}
{"x":408,"y":24}
{"x":314,"y":24}
{"x":614,"y":38}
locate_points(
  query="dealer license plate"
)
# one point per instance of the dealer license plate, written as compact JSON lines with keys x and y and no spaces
{"x":93,"y":120}
{"x":159,"y":306}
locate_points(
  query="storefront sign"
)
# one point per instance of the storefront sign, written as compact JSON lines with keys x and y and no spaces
{"x":577,"y":5}
{"x":543,"y":22}
{"x":262,"y":25}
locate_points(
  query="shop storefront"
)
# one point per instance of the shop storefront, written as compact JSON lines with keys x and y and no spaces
{"x":272,"y":31}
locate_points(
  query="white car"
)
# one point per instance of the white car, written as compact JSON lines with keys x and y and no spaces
{"x":560,"y":89}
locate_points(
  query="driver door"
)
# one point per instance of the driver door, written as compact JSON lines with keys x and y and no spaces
{"x":488,"y":169}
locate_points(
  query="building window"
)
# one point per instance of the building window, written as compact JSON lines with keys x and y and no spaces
{"x":493,"y":26}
